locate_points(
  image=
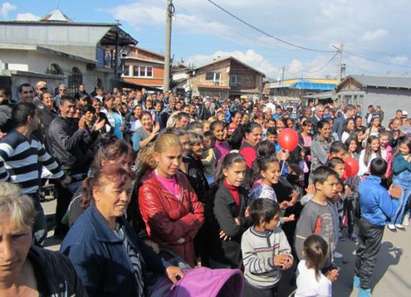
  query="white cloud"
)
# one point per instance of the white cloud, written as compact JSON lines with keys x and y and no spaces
{"x":374,"y":35}
{"x":27,"y":16}
{"x":6,"y":8}
{"x":249,"y":57}
{"x":400,"y":60}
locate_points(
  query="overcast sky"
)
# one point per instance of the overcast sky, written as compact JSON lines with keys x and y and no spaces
{"x":374,"y":29}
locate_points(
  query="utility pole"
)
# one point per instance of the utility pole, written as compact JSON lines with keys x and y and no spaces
{"x":167,"y":61}
{"x":341,"y":71}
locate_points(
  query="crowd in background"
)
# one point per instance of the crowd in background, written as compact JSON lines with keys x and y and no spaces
{"x":140,"y":174}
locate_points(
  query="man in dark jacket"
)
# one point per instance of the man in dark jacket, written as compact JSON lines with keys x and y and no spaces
{"x":66,"y":142}
{"x":339,"y":123}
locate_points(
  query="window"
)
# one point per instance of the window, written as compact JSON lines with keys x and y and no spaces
{"x":126,"y":70}
{"x":74,"y":80}
{"x":142,"y":71}
{"x":214,"y":76}
{"x":234,"y":80}
{"x":54,"y":69}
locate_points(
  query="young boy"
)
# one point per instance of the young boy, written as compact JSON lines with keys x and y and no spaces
{"x":377,"y":207}
{"x":317,"y":215}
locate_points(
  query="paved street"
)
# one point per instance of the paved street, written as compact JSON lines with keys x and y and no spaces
{"x":392,"y":276}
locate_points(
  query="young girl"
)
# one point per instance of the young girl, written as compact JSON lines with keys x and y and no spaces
{"x":310,"y":280}
{"x":268,"y":172}
{"x":402,"y":177}
{"x":372,"y":150}
{"x":352,"y":147}
{"x":221,"y":146}
{"x":230,"y":203}
{"x":265,"y":250}
{"x":386,"y":151}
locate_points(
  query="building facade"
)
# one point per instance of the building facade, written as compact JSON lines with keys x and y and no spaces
{"x":226,"y":78}
{"x":59,"y":50}
{"x":143,"y":67}
{"x":391,"y":93}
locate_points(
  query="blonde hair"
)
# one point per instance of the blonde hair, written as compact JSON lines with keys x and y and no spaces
{"x":165,"y":141}
{"x":15,"y":204}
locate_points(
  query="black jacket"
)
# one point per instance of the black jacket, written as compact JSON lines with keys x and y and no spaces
{"x":195,"y":174}
{"x":225,"y":211}
{"x":55,"y":275}
{"x":67,"y":144}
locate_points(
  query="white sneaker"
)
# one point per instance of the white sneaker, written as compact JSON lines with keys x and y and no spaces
{"x":400,"y":226}
{"x":338,"y":255}
{"x":391,"y":227}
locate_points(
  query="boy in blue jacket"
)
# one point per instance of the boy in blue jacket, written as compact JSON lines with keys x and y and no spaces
{"x":377,"y":208}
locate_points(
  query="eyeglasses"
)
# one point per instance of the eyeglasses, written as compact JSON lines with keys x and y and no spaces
{"x":28,"y":92}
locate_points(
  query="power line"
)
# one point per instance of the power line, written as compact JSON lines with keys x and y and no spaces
{"x":265,"y":33}
{"x":376,"y":61}
{"x":323,"y":66}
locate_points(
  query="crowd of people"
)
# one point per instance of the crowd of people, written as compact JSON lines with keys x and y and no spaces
{"x":142,"y":179}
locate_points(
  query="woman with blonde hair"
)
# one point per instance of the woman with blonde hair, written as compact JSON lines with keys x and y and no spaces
{"x":168,"y":204}
{"x":25,"y":269}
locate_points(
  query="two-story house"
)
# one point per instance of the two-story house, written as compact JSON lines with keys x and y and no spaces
{"x":226,"y":78}
{"x":143,"y":67}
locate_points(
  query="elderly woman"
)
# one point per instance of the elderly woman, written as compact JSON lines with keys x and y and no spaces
{"x":27,"y":270}
{"x":107,"y":255}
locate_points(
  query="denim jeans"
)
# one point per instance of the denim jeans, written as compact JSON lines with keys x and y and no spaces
{"x":40,"y":223}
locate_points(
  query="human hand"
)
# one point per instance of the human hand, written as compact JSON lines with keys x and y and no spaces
{"x":174,"y":274}
{"x":284,"y":204}
{"x":333,"y":274}
{"x":281,"y":261}
{"x":224,"y":236}
{"x":310,"y":189}
{"x":99,"y":125}
{"x":2,"y":135}
{"x":288,"y":263}
{"x":156,"y":128}
{"x":82,"y":123}
{"x":395,"y":191}
{"x":348,"y":191}
{"x":290,"y":218}
{"x":294,"y":197}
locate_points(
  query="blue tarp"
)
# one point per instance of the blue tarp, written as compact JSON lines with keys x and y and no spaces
{"x":307,"y":85}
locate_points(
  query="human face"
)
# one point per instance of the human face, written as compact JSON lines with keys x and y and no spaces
{"x":341,"y":154}
{"x":158,"y":107}
{"x":280,"y":127}
{"x":403,"y":148}
{"x":15,"y":243}
{"x":398,"y":114}
{"x":109,"y":103}
{"x":254,"y":136}
{"x":138,"y":111}
{"x":384,"y":141}
{"x":197,"y":149}
{"x":183,"y":122}
{"x":147,"y":122}
{"x":185,"y":143}
{"x":111,"y":199}
{"x":220,"y":116}
{"x":169,"y":161}
{"x":89,"y":116}
{"x":219,"y":132}
{"x":308,"y":128}
{"x":235,"y":174}
{"x":62,"y":90}
{"x":350,"y":125}
{"x":206,"y":126}
{"x":48,"y":101}
{"x":97,"y":106}
{"x":68,"y":109}
{"x":376,"y":122}
{"x":272,"y":173}
{"x":272,"y":138}
{"x":396,"y":124}
{"x":325,"y":132}
{"x":272,"y":224}
{"x":375,"y":145}
{"x":237,"y":119}
{"x":340,"y":170}
{"x":329,"y":188}
{"x":27,"y":94}
{"x":319,"y":111}
{"x":3,"y":96}
{"x":358,"y":122}
{"x":353,"y":146}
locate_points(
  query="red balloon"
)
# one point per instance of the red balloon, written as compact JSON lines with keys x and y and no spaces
{"x":351,"y":167}
{"x":288,"y":139}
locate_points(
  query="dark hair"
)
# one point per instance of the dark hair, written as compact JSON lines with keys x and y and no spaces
{"x":250,"y":127}
{"x":315,"y":253}
{"x":349,"y":140}
{"x":65,"y":98}
{"x":208,"y":134}
{"x":262,"y":163}
{"x":181,"y":115}
{"x":271,"y":131}
{"x":333,"y":162}
{"x":215,"y":124}
{"x":264,"y":149}
{"x":322,"y":123}
{"x":321,"y":174}
{"x":368,"y":152}
{"x":378,"y":167}
{"x":263,"y":210}
{"x":21,"y":112}
{"x":346,"y":124}
{"x":227,"y":162}
{"x":403,"y":140}
{"x":24,"y":85}
{"x":336,"y":147}
{"x":88,"y":108}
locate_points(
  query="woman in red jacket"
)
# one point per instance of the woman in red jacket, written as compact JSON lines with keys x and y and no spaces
{"x":167,"y":202}
{"x":252,"y":137}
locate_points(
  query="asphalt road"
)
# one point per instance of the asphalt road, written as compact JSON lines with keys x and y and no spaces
{"x":392,"y":276}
